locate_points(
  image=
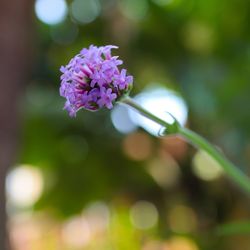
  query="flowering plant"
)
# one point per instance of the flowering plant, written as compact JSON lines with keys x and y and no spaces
{"x":92,"y":80}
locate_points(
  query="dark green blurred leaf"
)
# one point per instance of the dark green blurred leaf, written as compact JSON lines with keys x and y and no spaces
{"x":235,"y":228}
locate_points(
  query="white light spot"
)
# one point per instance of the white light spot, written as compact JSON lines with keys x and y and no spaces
{"x":24,"y":185}
{"x":85,"y":11}
{"x":121,"y":120}
{"x":165,"y":172}
{"x":76,"y":232}
{"x":159,"y":101}
{"x":51,"y":11}
{"x":144,"y":215}
{"x":98,"y":216}
{"x":206,"y":168}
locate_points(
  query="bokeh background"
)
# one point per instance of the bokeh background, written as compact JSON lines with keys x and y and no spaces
{"x":107,"y":180}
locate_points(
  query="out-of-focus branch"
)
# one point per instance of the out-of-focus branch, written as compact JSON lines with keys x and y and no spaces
{"x":15,"y":47}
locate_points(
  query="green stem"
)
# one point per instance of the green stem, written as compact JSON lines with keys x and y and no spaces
{"x":130,"y":102}
{"x":237,"y":175}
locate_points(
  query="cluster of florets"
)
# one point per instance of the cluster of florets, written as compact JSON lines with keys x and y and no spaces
{"x":92,"y":80}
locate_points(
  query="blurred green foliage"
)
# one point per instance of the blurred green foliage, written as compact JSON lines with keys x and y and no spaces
{"x":199,"y":48}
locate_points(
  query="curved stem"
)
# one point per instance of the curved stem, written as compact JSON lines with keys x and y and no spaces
{"x":172,"y":128}
{"x":237,"y":175}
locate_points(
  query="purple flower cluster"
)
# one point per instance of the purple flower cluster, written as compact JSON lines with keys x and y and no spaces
{"x":92,"y":80}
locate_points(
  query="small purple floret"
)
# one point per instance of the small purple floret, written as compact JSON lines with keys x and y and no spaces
{"x":92,"y":80}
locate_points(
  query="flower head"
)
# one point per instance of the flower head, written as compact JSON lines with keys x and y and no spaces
{"x":92,"y":80}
